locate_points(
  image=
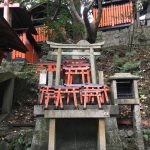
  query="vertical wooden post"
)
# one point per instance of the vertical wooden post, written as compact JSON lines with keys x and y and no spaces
{"x":50,"y":78}
{"x":6,"y":11}
{"x":93,"y":71}
{"x":101,"y":143}
{"x":52,"y":126}
{"x":58,"y":67}
{"x":101,"y":77}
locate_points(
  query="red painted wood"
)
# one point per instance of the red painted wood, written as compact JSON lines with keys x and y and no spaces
{"x":115,"y":14}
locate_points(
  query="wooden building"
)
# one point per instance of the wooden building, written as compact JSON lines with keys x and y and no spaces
{"x":115,"y":13}
{"x":22,"y":24}
{"x":9,"y":40}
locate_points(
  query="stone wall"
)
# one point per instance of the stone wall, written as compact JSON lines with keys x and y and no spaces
{"x":124,"y":36}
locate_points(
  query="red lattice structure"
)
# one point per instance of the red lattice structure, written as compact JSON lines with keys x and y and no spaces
{"x":115,"y":14}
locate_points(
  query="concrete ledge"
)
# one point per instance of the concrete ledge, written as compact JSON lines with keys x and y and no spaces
{"x":4,"y":76}
{"x":3,"y":116}
{"x":112,"y":109}
{"x":38,"y":110}
{"x":89,"y":113}
{"x":127,"y":101}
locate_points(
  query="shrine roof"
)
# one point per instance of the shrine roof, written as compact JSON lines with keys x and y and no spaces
{"x":21,"y":20}
{"x":9,"y":38}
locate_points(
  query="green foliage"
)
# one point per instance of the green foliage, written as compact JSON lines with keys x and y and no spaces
{"x":26,"y":84}
{"x":146,"y":135}
{"x":62,"y":27}
{"x":128,"y":62}
{"x":19,"y":142}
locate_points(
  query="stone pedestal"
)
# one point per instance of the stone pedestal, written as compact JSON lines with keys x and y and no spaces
{"x":137,"y":127}
{"x":40,"y":136}
{"x":112,"y":135}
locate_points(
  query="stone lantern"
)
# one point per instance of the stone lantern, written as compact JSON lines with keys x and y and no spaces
{"x":124,"y":88}
{"x":124,"y":91}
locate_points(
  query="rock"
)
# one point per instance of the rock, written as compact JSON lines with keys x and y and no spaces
{"x":28,"y":138}
{"x":4,"y":145}
{"x":122,"y":133}
{"x":40,"y":136}
{"x":130,"y":133}
{"x":148,"y":148}
{"x":19,"y":147}
{"x":12,"y":136}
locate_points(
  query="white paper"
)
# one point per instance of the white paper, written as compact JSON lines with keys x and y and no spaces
{"x":43,"y":77}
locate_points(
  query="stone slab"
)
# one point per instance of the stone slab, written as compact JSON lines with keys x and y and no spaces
{"x":112,"y":109}
{"x":127,"y":101}
{"x":89,"y":113}
{"x":2,"y":117}
{"x":38,"y":110}
{"x":4,"y":76}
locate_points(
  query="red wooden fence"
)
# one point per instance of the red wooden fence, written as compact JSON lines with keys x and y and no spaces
{"x":115,"y":14}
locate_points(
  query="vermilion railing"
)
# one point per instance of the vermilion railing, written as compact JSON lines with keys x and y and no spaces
{"x":115,"y":14}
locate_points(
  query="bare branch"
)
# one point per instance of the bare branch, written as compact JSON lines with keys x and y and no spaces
{"x":74,"y":12}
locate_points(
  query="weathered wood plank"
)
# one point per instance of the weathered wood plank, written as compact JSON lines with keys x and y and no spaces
{"x":52,"y":136}
{"x":101,"y":143}
{"x":76,"y":114}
